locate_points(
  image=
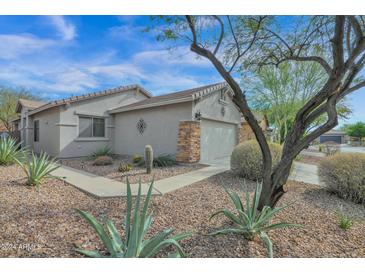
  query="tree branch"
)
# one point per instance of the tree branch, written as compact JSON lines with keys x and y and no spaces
{"x":221,"y":34}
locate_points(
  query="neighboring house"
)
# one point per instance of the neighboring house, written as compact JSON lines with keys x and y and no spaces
{"x":200,"y":124}
{"x":334,"y":135}
{"x":3,"y":131}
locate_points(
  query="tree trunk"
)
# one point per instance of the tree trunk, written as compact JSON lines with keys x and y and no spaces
{"x":273,"y":188}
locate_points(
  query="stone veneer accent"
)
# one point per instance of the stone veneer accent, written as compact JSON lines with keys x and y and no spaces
{"x":188,"y":142}
{"x":245,"y":132}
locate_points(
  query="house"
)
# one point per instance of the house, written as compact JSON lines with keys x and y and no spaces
{"x":333,"y":135}
{"x":3,"y":130}
{"x":201,"y":124}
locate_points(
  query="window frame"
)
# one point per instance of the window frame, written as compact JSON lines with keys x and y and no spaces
{"x":36,"y":131}
{"x":92,"y":127}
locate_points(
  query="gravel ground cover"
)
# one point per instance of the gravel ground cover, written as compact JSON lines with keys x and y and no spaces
{"x":44,"y":224}
{"x":136,"y":174}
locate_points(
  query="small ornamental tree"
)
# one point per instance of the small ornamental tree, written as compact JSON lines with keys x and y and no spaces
{"x":356,"y":130}
{"x":233,"y":44}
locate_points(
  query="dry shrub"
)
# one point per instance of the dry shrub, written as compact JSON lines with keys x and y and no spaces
{"x":246,"y":159}
{"x":103,"y":161}
{"x":344,"y":174}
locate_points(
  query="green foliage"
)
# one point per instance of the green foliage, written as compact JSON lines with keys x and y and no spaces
{"x":125,"y":167}
{"x":164,"y":160}
{"x":103,"y":161}
{"x":8,"y":100}
{"x":10,"y":151}
{"x":246,"y":159}
{"x":281,"y":91}
{"x":38,"y":168}
{"x":104,"y":151}
{"x":249,"y":221}
{"x":137,"y":158}
{"x":134,"y":244}
{"x":344,"y":175}
{"x":344,"y":221}
{"x":356,"y":130}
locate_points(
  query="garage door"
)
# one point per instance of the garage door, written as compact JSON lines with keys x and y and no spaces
{"x":333,"y":138}
{"x":217,"y":140}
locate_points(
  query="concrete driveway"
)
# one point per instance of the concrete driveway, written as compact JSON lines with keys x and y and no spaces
{"x":347,"y":148}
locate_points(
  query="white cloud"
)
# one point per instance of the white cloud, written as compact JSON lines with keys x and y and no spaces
{"x":66,"y":29}
{"x":179,"y":55}
{"x":14,"y":45}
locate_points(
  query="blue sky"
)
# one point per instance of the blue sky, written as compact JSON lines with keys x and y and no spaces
{"x":59,"y":56}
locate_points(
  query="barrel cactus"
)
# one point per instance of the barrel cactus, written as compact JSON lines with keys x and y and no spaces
{"x":148,"y":158}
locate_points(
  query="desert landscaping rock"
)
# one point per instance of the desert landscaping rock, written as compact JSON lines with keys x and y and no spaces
{"x":135,"y":175}
{"x":46,"y":222}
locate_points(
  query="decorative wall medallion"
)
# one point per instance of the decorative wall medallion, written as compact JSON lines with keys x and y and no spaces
{"x":223,"y":111}
{"x":141,"y":126}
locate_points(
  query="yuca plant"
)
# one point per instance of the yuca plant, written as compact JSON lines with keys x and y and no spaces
{"x":38,"y":168}
{"x":134,"y":244}
{"x":249,"y":221}
{"x":10,"y":151}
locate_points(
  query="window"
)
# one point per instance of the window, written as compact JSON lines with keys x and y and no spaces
{"x":36,"y":131}
{"x":91,"y":127}
{"x":98,"y":127}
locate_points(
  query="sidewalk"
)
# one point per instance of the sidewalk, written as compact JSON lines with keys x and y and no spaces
{"x":305,"y":173}
{"x":105,"y":188}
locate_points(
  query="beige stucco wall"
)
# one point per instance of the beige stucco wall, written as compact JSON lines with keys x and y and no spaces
{"x":70,"y":144}
{"x":48,"y":132}
{"x":210,"y":108}
{"x":161,"y":132}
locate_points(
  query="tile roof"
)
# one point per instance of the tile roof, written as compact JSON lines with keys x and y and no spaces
{"x":171,"y":98}
{"x":89,"y":96}
{"x":31,"y":104}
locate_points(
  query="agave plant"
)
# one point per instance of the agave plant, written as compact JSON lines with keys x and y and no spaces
{"x":134,"y":244}
{"x":10,"y":151}
{"x":103,"y":151}
{"x":38,"y":168}
{"x":249,"y":221}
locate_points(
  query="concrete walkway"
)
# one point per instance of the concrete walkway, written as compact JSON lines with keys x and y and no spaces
{"x":105,"y":188}
{"x":305,"y":173}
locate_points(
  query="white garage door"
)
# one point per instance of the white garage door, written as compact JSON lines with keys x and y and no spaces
{"x":217,"y":140}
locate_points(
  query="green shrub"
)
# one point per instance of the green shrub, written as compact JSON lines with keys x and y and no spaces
{"x":344,"y":221}
{"x":134,"y":244}
{"x":249,"y":221}
{"x":137,"y":158}
{"x":38,"y":168}
{"x":344,"y":174}
{"x":125,"y":167}
{"x":10,"y":151}
{"x":246,"y":159}
{"x":103,"y":161}
{"x":104,"y":151}
{"x":163,"y":160}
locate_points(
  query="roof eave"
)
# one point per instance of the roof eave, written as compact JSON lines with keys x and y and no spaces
{"x":152,"y":105}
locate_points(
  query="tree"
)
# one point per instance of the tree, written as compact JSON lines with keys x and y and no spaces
{"x":8,"y":100}
{"x":254,"y":41}
{"x":356,"y":130}
{"x":281,"y":91}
